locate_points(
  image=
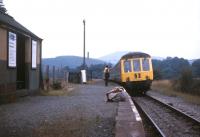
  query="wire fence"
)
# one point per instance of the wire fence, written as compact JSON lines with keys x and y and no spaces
{"x":53,"y":74}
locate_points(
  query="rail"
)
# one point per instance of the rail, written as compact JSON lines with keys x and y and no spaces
{"x":156,"y":128}
{"x":166,"y":119}
{"x":175,"y":109}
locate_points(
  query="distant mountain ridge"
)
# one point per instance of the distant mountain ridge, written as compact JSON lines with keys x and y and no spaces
{"x":75,"y":61}
{"x":114,"y":57}
{"x":70,"y":61}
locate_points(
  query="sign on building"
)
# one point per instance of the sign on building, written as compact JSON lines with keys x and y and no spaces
{"x":34,"y":54}
{"x":12,"y":44}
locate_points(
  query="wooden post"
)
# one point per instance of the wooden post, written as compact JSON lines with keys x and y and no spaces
{"x":47,"y":77}
{"x":53,"y":74}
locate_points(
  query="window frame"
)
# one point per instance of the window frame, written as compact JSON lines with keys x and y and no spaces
{"x":130,"y":65}
{"x":137,"y":59}
{"x":145,"y":64}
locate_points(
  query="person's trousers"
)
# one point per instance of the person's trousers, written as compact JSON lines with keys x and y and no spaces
{"x":106,"y":82}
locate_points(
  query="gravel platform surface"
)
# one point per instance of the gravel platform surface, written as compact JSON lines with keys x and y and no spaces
{"x":189,"y":108}
{"x":81,"y":113}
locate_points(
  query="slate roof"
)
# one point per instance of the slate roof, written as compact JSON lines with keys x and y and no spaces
{"x":11,"y":22}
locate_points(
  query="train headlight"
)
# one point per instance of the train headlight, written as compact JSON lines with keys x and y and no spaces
{"x":127,"y":79}
{"x":135,"y":75}
{"x":139,"y":75}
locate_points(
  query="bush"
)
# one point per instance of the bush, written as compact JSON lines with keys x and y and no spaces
{"x":196,"y":87}
{"x":186,"y":83}
{"x":157,"y":74}
{"x":175,"y":84}
{"x":196,"y":68}
{"x":186,"y":80}
{"x":56,"y":85}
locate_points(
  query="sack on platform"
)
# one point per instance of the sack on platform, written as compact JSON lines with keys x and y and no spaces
{"x":116,"y":94}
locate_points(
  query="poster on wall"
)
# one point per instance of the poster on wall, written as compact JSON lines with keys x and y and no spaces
{"x":34,"y":54}
{"x":12,"y":44}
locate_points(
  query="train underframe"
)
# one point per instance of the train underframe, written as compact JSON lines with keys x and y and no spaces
{"x":137,"y":87}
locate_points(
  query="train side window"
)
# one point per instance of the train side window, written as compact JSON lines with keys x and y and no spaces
{"x":127,"y":66}
{"x":145,"y":64}
{"x":136,"y":65}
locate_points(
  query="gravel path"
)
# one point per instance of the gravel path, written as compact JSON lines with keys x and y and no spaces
{"x":82,"y":113}
{"x":189,"y":108}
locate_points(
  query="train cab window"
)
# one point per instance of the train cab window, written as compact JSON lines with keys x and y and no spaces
{"x":136,"y":65}
{"x":127,"y":66}
{"x":145,"y":64}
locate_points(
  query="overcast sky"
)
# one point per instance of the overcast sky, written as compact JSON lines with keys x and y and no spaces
{"x":158,"y":27}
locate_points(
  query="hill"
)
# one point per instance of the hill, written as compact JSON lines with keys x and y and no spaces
{"x":70,"y":61}
{"x":114,"y":57}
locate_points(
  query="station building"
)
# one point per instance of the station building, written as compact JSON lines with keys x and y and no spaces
{"x":20,"y":59}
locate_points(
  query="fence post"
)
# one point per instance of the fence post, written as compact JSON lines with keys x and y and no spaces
{"x":58,"y":73}
{"x":53,"y":74}
{"x":47,"y":77}
{"x":91,"y":74}
{"x":66,"y":75}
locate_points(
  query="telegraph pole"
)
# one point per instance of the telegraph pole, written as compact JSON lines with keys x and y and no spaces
{"x":84,"y":44}
{"x":83,"y":71}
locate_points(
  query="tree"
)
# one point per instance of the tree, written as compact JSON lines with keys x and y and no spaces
{"x":97,"y":70}
{"x":196,"y":68}
{"x":157,"y":69}
{"x":186,"y":80}
{"x":172,"y":67}
{"x":2,"y":8}
{"x":157,"y":74}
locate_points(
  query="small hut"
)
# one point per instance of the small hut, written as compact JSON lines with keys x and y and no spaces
{"x":20,"y":58}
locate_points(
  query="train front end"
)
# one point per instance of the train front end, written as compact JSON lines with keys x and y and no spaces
{"x":136,"y":72}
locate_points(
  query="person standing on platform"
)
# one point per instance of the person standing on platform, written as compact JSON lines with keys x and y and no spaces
{"x":106,"y":75}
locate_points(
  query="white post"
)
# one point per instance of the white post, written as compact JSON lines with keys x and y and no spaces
{"x":83,"y":76}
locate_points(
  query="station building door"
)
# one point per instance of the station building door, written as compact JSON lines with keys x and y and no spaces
{"x":21,"y":66}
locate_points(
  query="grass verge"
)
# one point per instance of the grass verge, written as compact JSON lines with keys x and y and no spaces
{"x":61,"y":92}
{"x":165,"y":87}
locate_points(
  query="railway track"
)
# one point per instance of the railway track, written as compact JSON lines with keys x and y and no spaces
{"x":166,"y":120}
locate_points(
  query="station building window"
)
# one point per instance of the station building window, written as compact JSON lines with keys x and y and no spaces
{"x":127,"y":66}
{"x":145,"y":64}
{"x":136,"y":65}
